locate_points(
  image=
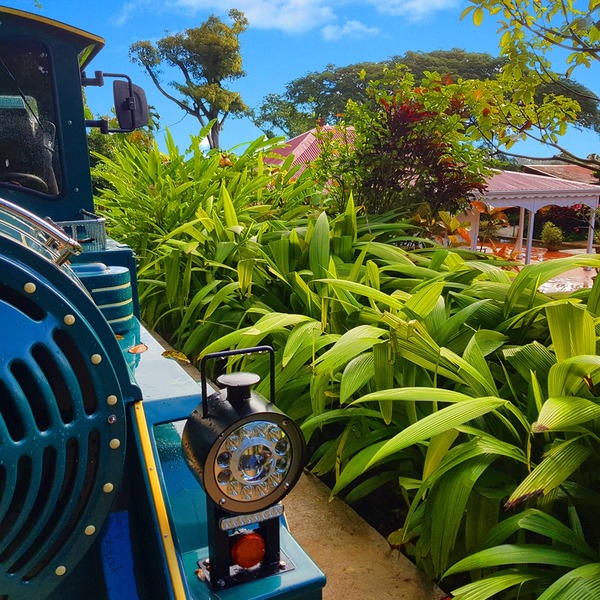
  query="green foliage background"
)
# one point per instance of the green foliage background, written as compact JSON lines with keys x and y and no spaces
{"x":437,"y":375}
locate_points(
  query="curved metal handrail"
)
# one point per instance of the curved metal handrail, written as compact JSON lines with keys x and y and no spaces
{"x":67,"y":246}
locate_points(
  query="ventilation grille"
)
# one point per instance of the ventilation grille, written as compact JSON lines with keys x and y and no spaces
{"x":57,"y":437}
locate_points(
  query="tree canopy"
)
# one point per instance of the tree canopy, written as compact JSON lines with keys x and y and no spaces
{"x":322,"y":96}
{"x":408,"y":146}
{"x":530,"y":31}
{"x":206,"y":57}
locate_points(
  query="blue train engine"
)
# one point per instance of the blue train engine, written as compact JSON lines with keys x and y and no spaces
{"x":121,"y":477}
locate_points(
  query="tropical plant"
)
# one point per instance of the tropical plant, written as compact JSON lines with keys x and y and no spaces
{"x":434,"y":374}
{"x":492,"y":218}
{"x":407,"y":146}
{"x":196,"y":222}
{"x":552,"y":235}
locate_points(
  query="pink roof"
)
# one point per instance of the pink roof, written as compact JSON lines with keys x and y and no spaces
{"x":503,"y":188}
{"x":306,"y":146}
{"x":570,"y":172}
{"x":510,"y":188}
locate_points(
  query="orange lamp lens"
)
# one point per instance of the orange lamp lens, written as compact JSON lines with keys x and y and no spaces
{"x":248,"y":550}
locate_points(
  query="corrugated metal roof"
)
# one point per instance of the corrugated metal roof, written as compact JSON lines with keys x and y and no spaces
{"x":570,"y":172}
{"x":510,"y":188}
{"x":306,"y":146}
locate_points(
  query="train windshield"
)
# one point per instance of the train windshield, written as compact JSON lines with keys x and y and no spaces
{"x":28,"y":146}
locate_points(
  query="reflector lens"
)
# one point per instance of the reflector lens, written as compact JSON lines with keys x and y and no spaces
{"x":248,"y":550}
{"x":253,"y":461}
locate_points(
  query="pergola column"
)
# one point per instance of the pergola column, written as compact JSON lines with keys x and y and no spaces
{"x":529,"y":236}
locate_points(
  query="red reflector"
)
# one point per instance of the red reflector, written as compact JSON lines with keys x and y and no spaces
{"x":248,"y":549}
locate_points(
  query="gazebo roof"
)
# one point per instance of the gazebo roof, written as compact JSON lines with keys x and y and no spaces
{"x":511,"y":188}
{"x":563,"y":171}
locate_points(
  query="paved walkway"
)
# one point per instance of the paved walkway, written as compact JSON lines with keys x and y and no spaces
{"x":357,"y":561}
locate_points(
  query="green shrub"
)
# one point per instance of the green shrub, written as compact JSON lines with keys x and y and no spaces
{"x":434,"y":371}
{"x":552,"y":235}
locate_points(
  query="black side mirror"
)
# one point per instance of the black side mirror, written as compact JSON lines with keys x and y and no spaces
{"x":130,"y":101}
{"x":130,"y":105}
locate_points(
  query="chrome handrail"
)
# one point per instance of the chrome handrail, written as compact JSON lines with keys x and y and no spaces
{"x":67,"y":246}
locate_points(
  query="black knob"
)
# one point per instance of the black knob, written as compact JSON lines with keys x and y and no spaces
{"x":238,"y":385}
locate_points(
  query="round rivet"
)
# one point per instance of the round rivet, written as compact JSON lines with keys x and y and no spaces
{"x":60,"y":571}
{"x":112,"y":419}
{"x":29,"y":287}
{"x":114,"y":443}
{"x":107,"y":488}
{"x":69,"y":319}
{"x":111,"y":400}
{"x":90,"y":530}
{"x":96,"y":359}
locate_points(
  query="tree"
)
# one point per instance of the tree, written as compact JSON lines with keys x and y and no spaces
{"x":322,"y":96}
{"x":206,"y":56}
{"x":530,"y":32}
{"x":409,"y":146}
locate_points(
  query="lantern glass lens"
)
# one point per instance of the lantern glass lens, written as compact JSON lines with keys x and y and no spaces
{"x":253,"y":461}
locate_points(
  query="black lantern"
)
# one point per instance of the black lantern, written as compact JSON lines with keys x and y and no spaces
{"x":247,"y":455}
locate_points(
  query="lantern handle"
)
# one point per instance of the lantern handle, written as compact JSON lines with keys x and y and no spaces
{"x":225,"y":354}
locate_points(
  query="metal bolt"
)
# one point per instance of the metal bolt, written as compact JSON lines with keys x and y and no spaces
{"x":221,"y":583}
{"x":222,"y":501}
{"x":112,"y":419}
{"x":282,"y":564}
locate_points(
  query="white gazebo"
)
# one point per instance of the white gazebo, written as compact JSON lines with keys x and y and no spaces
{"x":532,"y":192}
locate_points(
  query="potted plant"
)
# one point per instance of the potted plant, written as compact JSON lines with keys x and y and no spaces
{"x":552,"y":236}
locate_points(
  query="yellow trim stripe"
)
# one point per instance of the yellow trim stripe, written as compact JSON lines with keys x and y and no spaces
{"x":20,"y":13}
{"x":159,"y":504}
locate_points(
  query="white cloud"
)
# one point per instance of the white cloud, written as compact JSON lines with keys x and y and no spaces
{"x":292,"y":16}
{"x":350,"y":29}
{"x":414,"y":10}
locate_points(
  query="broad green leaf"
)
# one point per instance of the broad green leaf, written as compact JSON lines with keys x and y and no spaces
{"x":412,"y":394}
{"x":582,"y":583}
{"x":425,"y":300}
{"x":384,"y":376}
{"x":456,"y":322}
{"x":220,"y":297}
{"x":573,"y":375}
{"x":331,"y":416}
{"x":539,"y":522}
{"x":563,"y":412}
{"x":511,"y":554}
{"x":555,"y":468}
{"x":366,"y":291}
{"x":572,"y":331}
{"x":531,"y":358}
{"x":318,"y":251}
{"x":436,"y":450}
{"x":447,"y":418}
{"x":445,"y":508}
{"x":475,"y":357}
{"x":357,"y":373}
{"x":493,"y":584}
{"x":351,"y":344}
{"x":231,"y":219}
{"x":302,"y":335}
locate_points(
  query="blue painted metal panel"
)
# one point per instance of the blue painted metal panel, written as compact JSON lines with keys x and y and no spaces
{"x":117,"y":558}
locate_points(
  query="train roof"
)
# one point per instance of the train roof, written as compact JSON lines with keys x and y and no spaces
{"x":88,"y":43}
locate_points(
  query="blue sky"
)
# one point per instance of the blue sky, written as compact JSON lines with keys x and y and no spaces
{"x":286,"y":39}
